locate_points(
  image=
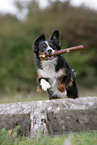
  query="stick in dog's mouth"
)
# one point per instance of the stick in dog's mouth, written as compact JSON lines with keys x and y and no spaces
{"x":47,"y":57}
{"x":80,"y":47}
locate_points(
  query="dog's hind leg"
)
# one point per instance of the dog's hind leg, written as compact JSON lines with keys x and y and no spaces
{"x":72,"y":91}
{"x":39,"y":89}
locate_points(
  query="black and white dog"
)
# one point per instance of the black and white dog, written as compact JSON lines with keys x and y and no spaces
{"x":54,"y":73}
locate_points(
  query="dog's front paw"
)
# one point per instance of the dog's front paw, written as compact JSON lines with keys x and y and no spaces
{"x":45,"y":85}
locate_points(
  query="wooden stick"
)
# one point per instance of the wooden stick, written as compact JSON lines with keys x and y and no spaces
{"x":80,"y":47}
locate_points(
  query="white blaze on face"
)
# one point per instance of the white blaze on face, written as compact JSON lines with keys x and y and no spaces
{"x":49,"y":48}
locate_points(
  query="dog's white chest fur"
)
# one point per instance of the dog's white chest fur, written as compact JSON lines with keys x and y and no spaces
{"x":49,"y":72}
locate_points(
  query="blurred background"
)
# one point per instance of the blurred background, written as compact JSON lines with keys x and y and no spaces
{"x":22,"y":21}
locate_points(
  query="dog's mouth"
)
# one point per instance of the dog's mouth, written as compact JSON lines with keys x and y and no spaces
{"x":45,"y":57}
{"x":49,"y":57}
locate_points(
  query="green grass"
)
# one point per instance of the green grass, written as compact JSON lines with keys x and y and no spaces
{"x":22,"y":97}
{"x":13,"y":96}
{"x":84,"y":138}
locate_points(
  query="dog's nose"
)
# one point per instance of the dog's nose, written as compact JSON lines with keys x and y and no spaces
{"x":49,"y":51}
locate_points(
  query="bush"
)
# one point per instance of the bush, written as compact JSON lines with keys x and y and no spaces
{"x":76,"y":25}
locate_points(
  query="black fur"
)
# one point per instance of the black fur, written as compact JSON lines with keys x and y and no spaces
{"x":65,"y":81}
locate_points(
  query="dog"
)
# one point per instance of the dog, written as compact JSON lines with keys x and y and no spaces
{"x":54,"y":74}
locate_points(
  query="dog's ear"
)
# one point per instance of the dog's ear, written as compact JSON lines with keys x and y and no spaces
{"x":37,"y":41}
{"x":55,"y":36}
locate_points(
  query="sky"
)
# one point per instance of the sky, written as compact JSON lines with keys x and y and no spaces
{"x":8,"y":6}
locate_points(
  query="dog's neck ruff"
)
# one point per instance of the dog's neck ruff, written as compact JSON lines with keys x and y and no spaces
{"x":49,"y":63}
{"x":48,"y":69}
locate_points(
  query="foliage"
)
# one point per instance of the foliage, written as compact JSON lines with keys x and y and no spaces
{"x":85,"y":138}
{"x":76,"y":25}
{"x":11,"y":137}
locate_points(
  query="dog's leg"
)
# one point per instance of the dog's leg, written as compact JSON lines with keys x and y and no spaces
{"x":61,"y":86}
{"x":39,"y":89}
{"x":65,"y":81}
{"x":45,"y":85}
{"x":42,"y":84}
{"x":69,"y":84}
{"x":51,"y":95}
{"x":72,"y":91}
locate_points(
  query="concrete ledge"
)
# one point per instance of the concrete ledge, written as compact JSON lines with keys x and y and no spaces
{"x":54,"y":116}
{"x":71,"y":121}
{"x":11,"y":121}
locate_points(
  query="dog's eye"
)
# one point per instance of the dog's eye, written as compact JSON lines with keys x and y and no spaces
{"x":44,"y":46}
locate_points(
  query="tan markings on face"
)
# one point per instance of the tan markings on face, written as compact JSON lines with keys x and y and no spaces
{"x":50,"y":44}
{"x":44,"y":45}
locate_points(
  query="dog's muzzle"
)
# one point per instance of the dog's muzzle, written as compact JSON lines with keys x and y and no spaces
{"x":49,"y":52}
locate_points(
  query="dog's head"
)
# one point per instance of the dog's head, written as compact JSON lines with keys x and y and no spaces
{"x":47,"y":47}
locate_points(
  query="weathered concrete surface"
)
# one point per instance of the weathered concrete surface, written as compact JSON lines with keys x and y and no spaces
{"x":16,"y":108}
{"x":71,"y":121}
{"x":56,"y":116}
{"x":11,"y":121}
